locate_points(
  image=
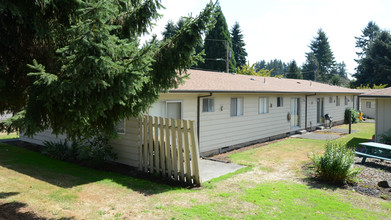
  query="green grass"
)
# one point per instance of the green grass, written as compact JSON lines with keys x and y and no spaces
{"x":55,"y":189}
{"x":8,"y":136}
{"x":298,"y":201}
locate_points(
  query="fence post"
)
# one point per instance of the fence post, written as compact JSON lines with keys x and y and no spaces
{"x":174,"y":151}
{"x":195,"y":156}
{"x":140,"y":143}
{"x":145,"y":144}
{"x":150,"y":144}
{"x":187,"y":152}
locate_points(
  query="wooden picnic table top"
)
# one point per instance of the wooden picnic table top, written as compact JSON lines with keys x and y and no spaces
{"x":376,"y":145}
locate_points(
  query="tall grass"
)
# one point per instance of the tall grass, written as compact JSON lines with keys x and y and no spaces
{"x":336,"y":164}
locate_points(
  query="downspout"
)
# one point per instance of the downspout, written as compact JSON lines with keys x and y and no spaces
{"x":198,"y":115}
{"x":306,"y":109}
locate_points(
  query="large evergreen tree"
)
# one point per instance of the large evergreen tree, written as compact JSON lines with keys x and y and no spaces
{"x":87,"y":70}
{"x":294,"y":71}
{"x":309,"y":68}
{"x":375,"y":66}
{"x":368,"y":35}
{"x":277,"y":66}
{"x":215,"y":45}
{"x":320,"y":48}
{"x":238,"y":44}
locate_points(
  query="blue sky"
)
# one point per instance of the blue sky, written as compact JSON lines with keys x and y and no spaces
{"x":283,"y":29}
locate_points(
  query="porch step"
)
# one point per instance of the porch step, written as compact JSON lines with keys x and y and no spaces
{"x":302,"y":132}
{"x":320,"y":127}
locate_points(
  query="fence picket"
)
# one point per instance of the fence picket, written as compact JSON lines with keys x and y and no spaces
{"x":167,"y":148}
{"x":156,"y":144}
{"x":180,"y":149}
{"x":174,"y":150}
{"x":161,"y":147}
{"x":145,"y":144}
{"x":150,"y":144}
{"x":194,"y":156}
{"x":186,"y":152}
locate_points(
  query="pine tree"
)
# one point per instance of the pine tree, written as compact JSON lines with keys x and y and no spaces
{"x":320,"y":47}
{"x":375,"y":67}
{"x":368,"y":35}
{"x":215,"y":45}
{"x":87,"y":70}
{"x":238,"y":45}
{"x":294,"y":71}
{"x":309,"y":68}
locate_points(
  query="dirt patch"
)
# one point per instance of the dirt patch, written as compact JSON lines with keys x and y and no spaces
{"x":225,"y":156}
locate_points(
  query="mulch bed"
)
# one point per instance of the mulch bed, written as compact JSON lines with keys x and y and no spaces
{"x":374,"y":179}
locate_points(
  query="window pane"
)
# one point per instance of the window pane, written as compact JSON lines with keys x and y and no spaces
{"x":261,"y":105}
{"x":211,"y":105}
{"x":266,"y":106}
{"x":239,"y":106}
{"x":120,"y":127}
{"x":205,"y":105}
{"x":233,"y":107}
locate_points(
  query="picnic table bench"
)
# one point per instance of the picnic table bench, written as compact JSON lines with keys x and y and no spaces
{"x":375,"y":150}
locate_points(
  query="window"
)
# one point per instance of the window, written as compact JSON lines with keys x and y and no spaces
{"x":346,"y":100}
{"x":330,"y":99}
{"x":120,"y":127}
{"x":208,"y":105}
{"x":236,"y":106}
{"x":337,"y":101}
{"x":263,"y":105}
{"x":280,"y":102}
{"x":368,"y":104}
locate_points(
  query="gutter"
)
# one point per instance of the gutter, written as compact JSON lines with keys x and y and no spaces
{"x":306,"y":109}
{"x":198,"y":115}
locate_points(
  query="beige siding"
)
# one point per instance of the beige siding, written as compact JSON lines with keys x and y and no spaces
{"x":369,"y":112}
{"x":383,"y":117}
{"x":39,"y":138}
{"x":126,"y":146}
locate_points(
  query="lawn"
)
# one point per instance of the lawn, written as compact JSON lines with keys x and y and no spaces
{"x":32,"y":185}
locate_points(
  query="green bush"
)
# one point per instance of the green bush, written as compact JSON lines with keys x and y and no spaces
{"x":386,"y":137}
{"x":58,"y":150}
{"x":336,"y":164}
{"x":94,"y":151}
{"x":355,"y":116}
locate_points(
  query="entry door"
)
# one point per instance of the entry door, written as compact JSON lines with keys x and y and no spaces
{"x":174,"y":110}
{"x":320,"y":110}
{"x":295,"y":112}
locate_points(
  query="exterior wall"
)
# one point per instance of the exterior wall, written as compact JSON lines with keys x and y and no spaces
{"x":336,"y":112}
{"x":368,"y":112}
{"x":218,"y":129}
{"x":126,"y":147}
{"x":383,"y":117}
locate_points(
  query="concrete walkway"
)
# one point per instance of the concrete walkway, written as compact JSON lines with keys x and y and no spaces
{"x":212,"y":169}
{"x":324,"y":135}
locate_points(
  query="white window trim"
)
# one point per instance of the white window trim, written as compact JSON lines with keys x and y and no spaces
{"x":237,"y":106}
{"x":337,"y":101}
{"x":267,"y":105}
{"x":173,"y":101}
{"x":208,"y":106}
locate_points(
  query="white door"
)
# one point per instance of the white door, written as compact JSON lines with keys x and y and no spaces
{"x":295,"y":112}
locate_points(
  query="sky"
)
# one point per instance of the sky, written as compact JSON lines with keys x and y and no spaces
{"x":283,"y":29}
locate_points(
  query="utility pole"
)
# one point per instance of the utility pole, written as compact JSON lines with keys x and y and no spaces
{"x":227,"y":51}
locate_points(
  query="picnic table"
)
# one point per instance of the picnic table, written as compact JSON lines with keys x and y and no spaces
{"x":375,"y":150}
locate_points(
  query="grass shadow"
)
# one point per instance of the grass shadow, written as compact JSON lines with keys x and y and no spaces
{"x":11,"y":210}
{"x":354,"y":142}
{"x":68,"y":175}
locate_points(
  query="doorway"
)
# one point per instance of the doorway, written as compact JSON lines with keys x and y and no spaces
{"x":295,"y":112}
{"x":320,"y":110}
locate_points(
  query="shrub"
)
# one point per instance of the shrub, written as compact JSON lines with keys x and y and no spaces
{"x":386,"y":137}
{"x":95,"y":151}
{"x":336,"y":164}
{"x":58,"y":150}
{"x":355,"y":116}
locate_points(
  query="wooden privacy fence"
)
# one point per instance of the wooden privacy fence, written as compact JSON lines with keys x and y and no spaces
{"x":169,"y":148}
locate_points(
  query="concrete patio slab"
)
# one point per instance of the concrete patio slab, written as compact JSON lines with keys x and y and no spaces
{"x":212,"y":169}
{"x":317,"y":136}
